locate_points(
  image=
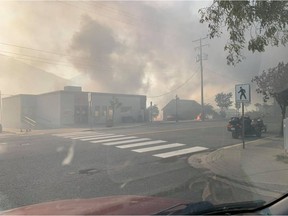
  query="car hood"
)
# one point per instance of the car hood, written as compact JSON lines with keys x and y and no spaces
{"x":118,"y":205}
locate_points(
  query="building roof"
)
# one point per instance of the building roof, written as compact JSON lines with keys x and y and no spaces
{"x":182,"y":102}
{"x":78,"y":92}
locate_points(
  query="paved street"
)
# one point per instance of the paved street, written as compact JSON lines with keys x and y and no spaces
{"x":144,"y":160}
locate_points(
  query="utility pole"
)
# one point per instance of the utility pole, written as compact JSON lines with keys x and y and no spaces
{"x":177,"y":98}
{"x":151,"y":118}
{"x":200,"y":58}
{"x":1,"y":107}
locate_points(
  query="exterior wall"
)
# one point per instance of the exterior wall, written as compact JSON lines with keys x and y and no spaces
{"x":29,"y":106}
{"x":67,"y":107}
{"x":48,"y":110}
{"x":74,"y":108}
{"x":132,"y":108}
{"x":28,"y":109}
{"x":12,"y":112}
{"x":71,"y":108}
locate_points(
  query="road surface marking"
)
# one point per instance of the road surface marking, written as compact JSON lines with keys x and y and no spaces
{"x":106,"y":137}
{"x":3,"y":143}
{"x":114,"y":139}
{"x":158,"y":147}
{"x":141,"y":144}
{"x":91,"y":136}
{"x":126,"y":141}
{"x":95,"y":137}
{"x":82,"y":135}
{"x":181,"y":152}
{"x":73,"y":133}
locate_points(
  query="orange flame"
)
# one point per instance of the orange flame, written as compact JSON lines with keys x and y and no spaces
{"x":198,"y":118}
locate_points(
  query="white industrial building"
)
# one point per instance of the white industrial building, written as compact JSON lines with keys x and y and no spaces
{"x":71,"y":107}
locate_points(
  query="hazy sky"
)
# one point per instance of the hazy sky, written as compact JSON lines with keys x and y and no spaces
{"x":133,"y":47}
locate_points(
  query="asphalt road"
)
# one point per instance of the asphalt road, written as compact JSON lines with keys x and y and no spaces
{"x":59,"y":165}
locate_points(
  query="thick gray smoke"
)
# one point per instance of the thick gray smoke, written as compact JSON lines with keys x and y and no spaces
{"x":148,"y":48}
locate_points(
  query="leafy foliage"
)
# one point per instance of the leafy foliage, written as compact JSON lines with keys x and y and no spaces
{"x":209,"y":110}
{"x":154,"y":110}
{"x":115,"y":104}
{"x":265,"y":21}
{"x":223,"y":100}
{"x":274,"y":83}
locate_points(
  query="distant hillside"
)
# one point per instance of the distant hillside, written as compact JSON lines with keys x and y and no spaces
{"x":17,"y":77}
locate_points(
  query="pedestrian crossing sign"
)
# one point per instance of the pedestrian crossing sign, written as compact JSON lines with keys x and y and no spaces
{"x":242,"y":93}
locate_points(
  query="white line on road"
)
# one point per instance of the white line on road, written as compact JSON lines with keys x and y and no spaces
{"x":3,"y":143}
{"x":82,"y":135}
{"x":181,"y":152}
{"x":126,"y":141}
{"x":95,"y":137}
{"x":158,"y":147}
{"x":104,"y":138}
{"x":75,"y":133}
{"x":91,"y":136}
{"x":141,"y":144}
{"x":114,"y":139}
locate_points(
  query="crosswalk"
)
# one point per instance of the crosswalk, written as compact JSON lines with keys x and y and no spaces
{"x":6,"y":135}
{"x":158,"y":148}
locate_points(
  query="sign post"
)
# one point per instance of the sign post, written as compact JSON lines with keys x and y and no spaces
{"x":242,"y":95}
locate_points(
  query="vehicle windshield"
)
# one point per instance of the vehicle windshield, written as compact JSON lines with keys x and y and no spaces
{"x":141,"y":107}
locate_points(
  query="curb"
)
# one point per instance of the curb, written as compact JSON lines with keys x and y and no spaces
{"x":205,"y":154}
{"x":202,"y":161}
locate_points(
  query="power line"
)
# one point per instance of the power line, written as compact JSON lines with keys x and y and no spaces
{"x":180,"y":86}
{"x":45,"y":62}
{"x":39,"y":58}
{"x":38,"y":50}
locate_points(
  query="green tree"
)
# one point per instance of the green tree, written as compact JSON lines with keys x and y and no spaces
{"x":114,"y":104}
{"x":223,"y":100}
{"x":154,"y":111}
{"x":274,"y":83}
{"x":264,"y":20}
{"x":209,"y":110}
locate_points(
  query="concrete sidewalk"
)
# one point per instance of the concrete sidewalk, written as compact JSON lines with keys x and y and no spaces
{"x":262,"y":163}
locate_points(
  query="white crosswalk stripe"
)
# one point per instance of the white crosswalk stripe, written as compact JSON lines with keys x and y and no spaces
{"x":95,"y":137}
{"x":141,"y":144}
{"x":126,"y":141}
{"x":133,"y":143}
{"x":105,"y":137}
{"x":83,"y":135}
{"x":181,"y":152}
{"x":92,"y":136}
{"x":74,"y":133}
{"x":6,"y":135}
{"x":114,"y":139}
{"x":154,"y":148}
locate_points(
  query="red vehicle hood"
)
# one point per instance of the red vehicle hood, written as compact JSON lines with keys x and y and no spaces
{"x":114,"y":205}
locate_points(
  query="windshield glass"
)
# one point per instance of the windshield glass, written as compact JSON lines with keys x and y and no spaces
{"x":133,"y":107}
